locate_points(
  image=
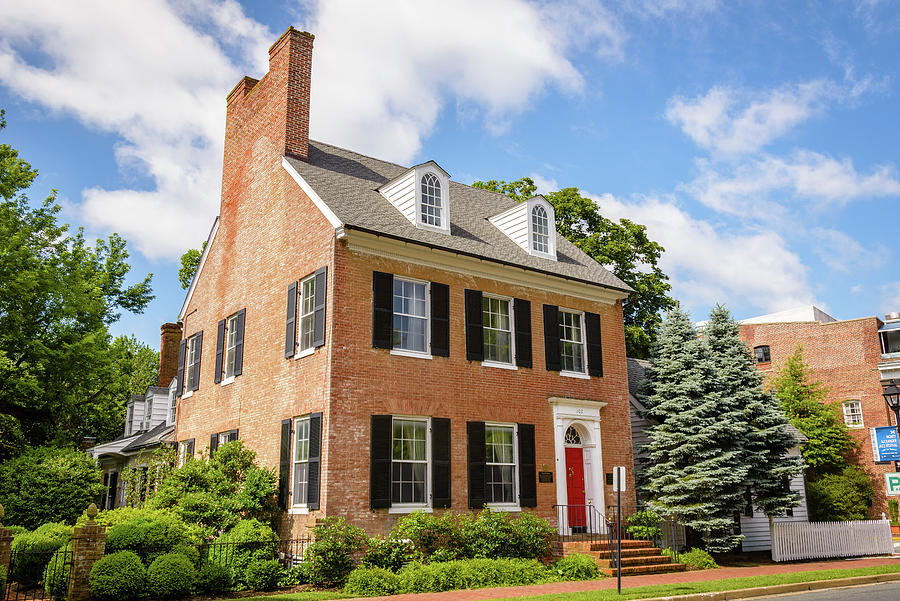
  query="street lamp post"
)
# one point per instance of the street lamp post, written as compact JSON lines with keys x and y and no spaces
{"x":892,"y":398}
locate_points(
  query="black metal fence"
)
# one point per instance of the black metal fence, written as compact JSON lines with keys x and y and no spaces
{"x":38,"y":571}
{"x":232,"y":554}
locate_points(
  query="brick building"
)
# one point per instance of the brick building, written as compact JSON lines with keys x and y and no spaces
{"x":854,"y":358}
{"x":392,"y":340}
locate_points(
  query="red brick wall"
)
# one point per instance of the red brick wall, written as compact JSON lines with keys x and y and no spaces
{"x":844,"y":355}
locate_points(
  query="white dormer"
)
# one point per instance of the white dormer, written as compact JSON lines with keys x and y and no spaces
{"x":531,"y":225}
{"x":422,"y":194}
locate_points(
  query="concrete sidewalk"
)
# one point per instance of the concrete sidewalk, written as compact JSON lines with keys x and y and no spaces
{"x":635,"y":581}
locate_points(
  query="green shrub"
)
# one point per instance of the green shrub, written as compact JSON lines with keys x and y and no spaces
{"x":295,"y":576}
{"x":191,"y":552}
{"x":118,"y":577}
{"x":489,"y":534}
{"x":329,"y":557}
{"x":471,"y":573}
{"x":576,"y":567}
{"x":114,"y":517}
{"x":644,"y":525}
{"x":213,"y":579}
{"x":696,"y":558}
{"x":264,"y":575}
{"x":30,"y":551}
{"x":894,"y":511}
{"x":48,"y":484}
{"x":170,"y":576}
{"x":3,"y":579}
{"x":430,"y":534}
{"x":372,"y":582}
{"x":840,"y":497}
{"x":246,"y":543}
{"x":390,"y":553}
{"x":149,"y":536}
{"x":15,"y":530}
{"x":56,"y":574}
{"x":531,"y":536}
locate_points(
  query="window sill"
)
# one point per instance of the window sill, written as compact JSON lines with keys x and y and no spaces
{"x":299,"y":510}
{"x":511,"y":508}
{"x":305,"y":353}
{"x":575,"y":374}
{"x":499,"y":365}
{"x":409,"y":509}
{"x":405,"y":353}
{"x":226,"y":381}
{"x":856,"y":426}
{"x":187,"y":394}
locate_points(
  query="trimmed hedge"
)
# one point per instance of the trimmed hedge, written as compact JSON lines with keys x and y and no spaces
{"x":576,"y":566}
{"x":28,"y":567}
{"x":264,"y":575}
{"x":390,"y":553}
{"x":118,"y":577}
{"x":170,"y":576}
{"x":213,"y":579}
{"x":372,"y":582}
{"x":149,"y":536}
{"x":471,"y":573}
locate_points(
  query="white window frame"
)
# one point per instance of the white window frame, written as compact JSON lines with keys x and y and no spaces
{"x":444,"y":183}
{"x":190,"y":361}
{"x":222,"y":436}
{"x":230,"y":346}
{"x":129,"y":417}
{"x":534,"y":233}
{"x":426,"y":354}
{"x":182,"y":452}
{"x":295,"y":506}
{"x":173,"y":406}
{"x":569,"y":373}
{"x":850,"y":415}
{"x":410,"y":507}
{"x":148,"y":413}
{"x":511,"y":364}
{"x":310,"y":315}
{"x":516,"y":504}
{"x":551,"y":226}
{"x":768,"y":351}
{"x":434,"y":183}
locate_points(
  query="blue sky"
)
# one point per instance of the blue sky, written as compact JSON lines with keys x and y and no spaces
{"x":757,"y":141}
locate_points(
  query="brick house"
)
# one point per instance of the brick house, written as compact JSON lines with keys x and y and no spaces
{"x":854,"y":358}
{"x":389,"y":339}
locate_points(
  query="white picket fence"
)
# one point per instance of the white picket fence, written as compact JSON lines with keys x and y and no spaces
{"x":817,"y":540}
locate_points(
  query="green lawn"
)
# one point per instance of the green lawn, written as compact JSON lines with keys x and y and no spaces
{"x":644,"y":592}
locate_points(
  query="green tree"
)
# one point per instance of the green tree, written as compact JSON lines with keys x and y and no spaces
{"x":58,"y":295}
{"x":762,"y":435}
{"x":624,"y":248}
{"x":48,"y":484}
{"x":190,"y":260}
{"x":840,"y":497}
{"x":830,"y":443}
{"x":697,"y":472}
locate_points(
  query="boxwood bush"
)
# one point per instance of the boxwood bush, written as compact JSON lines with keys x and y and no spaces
{"x":248,"y":542}
{"x":118,"y":577}
{"x":56,"y":574}
{"x":213,"y":579}
{"x":390,"y":553}
{"x":170,"y":576}
{"x":264,"y":575}
{"x":576,"y":566}
{"x":471,"y":573}
{"x":149,"y":536}
{"x":28,"y":567}
{"x":372,"y":582}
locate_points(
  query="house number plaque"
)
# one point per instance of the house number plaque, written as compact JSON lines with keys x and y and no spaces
{"x":545,"y":477}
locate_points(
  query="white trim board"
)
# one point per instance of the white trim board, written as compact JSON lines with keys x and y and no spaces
{"x":315,"y":198}
{"x":190,"y":292}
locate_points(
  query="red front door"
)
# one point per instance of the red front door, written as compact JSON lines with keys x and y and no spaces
{"x":575,"y":486}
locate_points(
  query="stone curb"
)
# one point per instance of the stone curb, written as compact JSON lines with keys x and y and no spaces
{"x":781,"y":589}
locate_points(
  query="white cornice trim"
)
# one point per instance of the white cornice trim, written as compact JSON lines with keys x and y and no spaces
{"x":411,"y":252}
{"x":304,"y":185}
{"x":565,"y":401}
{"x":190,"y":292}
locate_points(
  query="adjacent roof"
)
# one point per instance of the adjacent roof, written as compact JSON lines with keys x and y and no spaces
{"x":637,"y":369}
{"x":805,"y":313}
{"x":149,"y":438}
{"x":347,"y":183}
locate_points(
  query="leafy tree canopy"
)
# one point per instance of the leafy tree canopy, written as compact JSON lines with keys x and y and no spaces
{"x":624,"y":248}
{"x":58,"y":295}
{"x":190,"y":260}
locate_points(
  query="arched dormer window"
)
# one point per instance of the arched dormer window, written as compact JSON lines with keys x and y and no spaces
{"x":431,"y":206}
{"x":540,"y":230}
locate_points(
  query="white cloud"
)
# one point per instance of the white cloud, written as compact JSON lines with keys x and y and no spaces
{"x":544,"y":185}
{"x":708,"y":264}
{"x":842,"y":253}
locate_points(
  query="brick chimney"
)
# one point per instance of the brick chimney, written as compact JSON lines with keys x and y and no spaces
{"x":274,"y":109}
{"x":169,"y":339}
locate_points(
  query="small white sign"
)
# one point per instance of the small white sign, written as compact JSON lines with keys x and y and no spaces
{"x":892,"y":483}
{"x":619,"y":478}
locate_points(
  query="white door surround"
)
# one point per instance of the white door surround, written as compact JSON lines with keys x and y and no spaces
{"x":584,"y":416}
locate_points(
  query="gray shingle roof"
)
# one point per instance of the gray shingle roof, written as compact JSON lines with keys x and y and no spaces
{"x":347,"y":181}
{"x":637,"y":369}
{"x":149,"y":438}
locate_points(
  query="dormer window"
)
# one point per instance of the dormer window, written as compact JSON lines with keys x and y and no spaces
{"x":431,"y":200}
{"x":540,"y":230}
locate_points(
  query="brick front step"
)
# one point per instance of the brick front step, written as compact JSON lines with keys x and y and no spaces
{"x":627,"y":553}
{"x":637,"y":561}
{"x":660,"y":568}
{"x":626,"y":544}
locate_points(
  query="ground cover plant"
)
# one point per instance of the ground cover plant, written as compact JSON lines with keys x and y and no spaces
{"x":696,"y":558}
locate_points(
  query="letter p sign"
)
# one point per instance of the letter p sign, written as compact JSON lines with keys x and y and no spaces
{"x":892,"y":482}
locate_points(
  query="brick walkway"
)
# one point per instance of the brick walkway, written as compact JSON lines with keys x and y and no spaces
{"x":634,"y":581}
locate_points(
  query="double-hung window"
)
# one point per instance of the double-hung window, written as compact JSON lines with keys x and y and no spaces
{"x":307,"y":314}
{"x":230,"y":345}
{"x":500,"y":464}
{"x":762,"y":354}
{"x":431,"y":206}
{"x":173,"y":406}
{"x":409,"y":461}
{"x":540,"y":229}
{"x":185,"y":451}
{"x":226,"y":437}
{"x":571,"y":340}
{"x":301,"y":461}
{"x":410,"y":331}
{"x":853,"y":416}
{"x":497,"y":329}
{"x":193,"y":359}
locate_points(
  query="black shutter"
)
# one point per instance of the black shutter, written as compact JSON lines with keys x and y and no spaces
{"x":551,"y":338}
{"x":527,"y":467}
{"x":239,"y":342}
{"x":476,"y":453}
{"x":220,"y":350}
{"x":284,"y":466}
{"x":197,"y":357}
{"x":474,"y":332}
{"x":179,"y":386}
{"x":113,"y":489}
{"x":290,"y":328}
{"x":315,"y":460}
{"x":594,"y":348}
{"x":522,"y":310}
{"x":382,"y":310}
{"x":380,"y":463}
{"x":440,"y":319}
{"x":440,"y":462}
{"x":319,"y":306}
{"x":213,"y":443}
